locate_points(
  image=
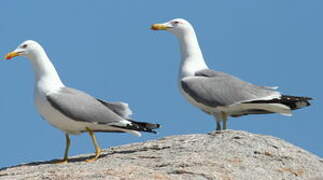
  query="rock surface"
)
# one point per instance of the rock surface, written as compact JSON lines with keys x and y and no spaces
{"x":229,"y":155}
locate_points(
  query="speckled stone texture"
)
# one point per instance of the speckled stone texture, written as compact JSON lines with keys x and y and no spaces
{"x":229,"y":155}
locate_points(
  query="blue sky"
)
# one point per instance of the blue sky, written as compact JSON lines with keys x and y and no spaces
{"x":107,"y":49}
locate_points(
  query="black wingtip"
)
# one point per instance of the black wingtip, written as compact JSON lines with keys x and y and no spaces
{"x":309,"y":98}
{"x":296,"y":102}
{"x":143,"y":126}
{"x":155,"y":126}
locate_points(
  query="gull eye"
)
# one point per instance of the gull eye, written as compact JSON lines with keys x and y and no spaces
{"x":24,"y":46}
{"x":175,"y":22}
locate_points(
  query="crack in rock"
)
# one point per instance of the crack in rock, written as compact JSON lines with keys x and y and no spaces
{"x":181,"y":171}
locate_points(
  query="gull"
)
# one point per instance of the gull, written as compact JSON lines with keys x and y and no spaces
{"x":72,"y":110}
{"x":220,"y":94}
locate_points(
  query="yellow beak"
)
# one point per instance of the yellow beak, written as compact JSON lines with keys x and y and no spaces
{"x":12,"y":54}
{"x":159,"y":27}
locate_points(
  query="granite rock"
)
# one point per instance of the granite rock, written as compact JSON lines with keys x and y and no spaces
{"x":228,"y":155}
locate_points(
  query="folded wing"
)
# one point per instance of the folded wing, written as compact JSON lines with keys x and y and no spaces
{"x":213,"y":89}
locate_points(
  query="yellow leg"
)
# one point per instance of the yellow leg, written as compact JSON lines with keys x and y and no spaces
{"x":67,"y":147}
{"x":97,"y":147}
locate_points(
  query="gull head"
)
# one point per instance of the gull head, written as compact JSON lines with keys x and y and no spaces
{"x":176,"y":26}
{"x":28,"y":48}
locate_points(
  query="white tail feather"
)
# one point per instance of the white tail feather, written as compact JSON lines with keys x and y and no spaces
{"x":133,"y":132}
{"x":273,"y":107}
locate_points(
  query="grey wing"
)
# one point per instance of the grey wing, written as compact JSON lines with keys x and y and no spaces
{"x":80,"y":106}
{"x":121,"y":108}
{"x":214,"y":89}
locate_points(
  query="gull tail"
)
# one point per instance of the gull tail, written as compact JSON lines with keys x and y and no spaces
{"x":142,"y":126}
{"x":262,"y":107}
{"x":282,"y":105}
